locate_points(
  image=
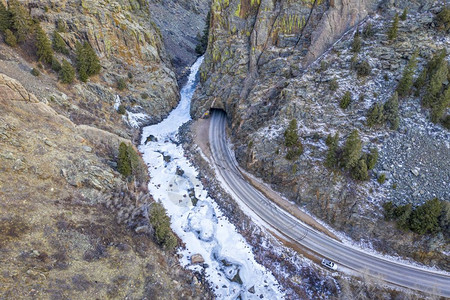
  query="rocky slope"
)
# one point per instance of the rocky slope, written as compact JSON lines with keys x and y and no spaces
{"x":70,"y":225}
{"x":262,"y":70}
{"x":62,"y":212}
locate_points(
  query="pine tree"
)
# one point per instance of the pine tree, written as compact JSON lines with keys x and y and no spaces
{"x":10,"y":38}
{"x":425,"y":218}
{"x":21,"y":20}
{"x":345,"y":100}
{"x":402,"y":215}
{"x":67,"y":73}
{"x":203,"y":42}
{"x":94,"y":66}
{"x":291,"y":135}
{"x":43,"y":45}
{"x":372,"y":158}
{"x":405,"y":84}
{"x":404,"y":14}
{"x":88,"y":64}
{"x":391,"y":111}
{"x":392,"y":32}
{"x":352,"y":150}
{"x":438,"y":110}
{"x":359,"y":172}
{"x":437,"y":79}
{"x":375,"y":115}
{"x":356,"y":44}
{"x":5,"y":18}
{"x":123,"y":160}
{"x":58,"y":43}
{"x":331,"y":158}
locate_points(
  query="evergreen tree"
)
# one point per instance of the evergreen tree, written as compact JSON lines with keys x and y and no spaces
{"x":5,"y":18}
{"x":58,"y":43}
{"x":388,"y":211}
{"x":161,"y":223}
{"x":359,"y":172}
{"x":402,"y":215}
{"x":375,"y":115}
{"x":371,"y":158}
{"x":331,"y":158}
{"x":67,"y":73}
{"x":405,"y":84}
{"x":368,"y":31}
{"x":425,"y":218}
{"x":88,"y":63}
{"x":291,"y":135}
{"x":391,"y":111}
{"x":345,"y":100}
{"x":43,"y":45}
{"x":352,"y":150}
{"x":21,"y":20}
{"x":436,"y":82}
{"x":93,"y":61}
{"x":56,"y":65}
{"x":438,"y":110}
{"x":123,"y":161}
{"x":10,"y":38}
{"x":203,"y":42}
{"x":356,"y":44}
{"x":392,"y":32}
{"x":404,"y":14}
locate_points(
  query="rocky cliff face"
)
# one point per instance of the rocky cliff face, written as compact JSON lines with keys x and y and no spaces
{"x":128,"y":43}
{"x":181,"y":23}
{"x":265,"y":65}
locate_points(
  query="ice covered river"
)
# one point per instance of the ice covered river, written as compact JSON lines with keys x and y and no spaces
{"x":229,"y":264}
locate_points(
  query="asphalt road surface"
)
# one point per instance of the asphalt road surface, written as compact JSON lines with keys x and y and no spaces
{"x":388,"y":270}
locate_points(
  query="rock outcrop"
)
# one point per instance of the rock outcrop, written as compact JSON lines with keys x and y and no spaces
{"x":129,"y":45}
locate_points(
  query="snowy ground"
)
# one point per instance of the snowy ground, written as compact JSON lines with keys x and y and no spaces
{"x":230,"y":266}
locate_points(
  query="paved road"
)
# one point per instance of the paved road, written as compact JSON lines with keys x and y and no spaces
{"x":278,"y":219}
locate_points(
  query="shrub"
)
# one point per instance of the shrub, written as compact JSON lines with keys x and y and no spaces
{"x":121,"y":84}
{"x":60,"y":26}
{"x":359,"y":172}
{"x":392,"y":32}
{"x":381,"y":179}
{"x":352,"y":150}
{"x":388,"y":211}
{"x":425,"y":218}
{"x":356,"y":44}
{"x":35,"y":72}
{"x":345,"y":100}
{"x":442,"y":19}
{"x":121,"y":110}
{"x":391,"y":111}
{"x":43,"y":45}
{"x":10,"y":38}
{"x":363,"y":68}
{"x":368,"y":31}
{"x":67,"y":73}
{"x":334,"y":85}
{"x":404,"y":14}
{"x":58,"y":43}
{"x":406,"y":82}
{"x":446,"y":122}
{"x":144,"y":96}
